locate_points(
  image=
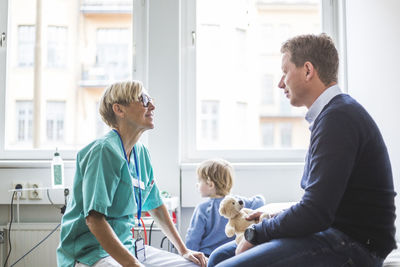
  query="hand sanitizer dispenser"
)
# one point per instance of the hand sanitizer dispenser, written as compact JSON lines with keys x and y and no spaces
{"x":57,"y":171}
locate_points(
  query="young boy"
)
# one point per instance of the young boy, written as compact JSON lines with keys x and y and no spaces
{"x":207,"y":227}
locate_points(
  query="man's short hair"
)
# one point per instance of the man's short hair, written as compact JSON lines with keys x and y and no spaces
{"x":317,"y":49}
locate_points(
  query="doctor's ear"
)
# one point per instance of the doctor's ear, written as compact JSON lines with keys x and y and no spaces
{"x":118,"y":110}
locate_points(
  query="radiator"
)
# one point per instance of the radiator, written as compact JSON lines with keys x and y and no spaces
{"x":24,"y":236}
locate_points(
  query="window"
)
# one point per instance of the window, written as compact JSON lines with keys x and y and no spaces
{"x":55,"y":116}
{"x":237,"y":59}
{"x":286,"y":134}
{"x":26,"y":45}
{"x":83,"y":47}
{"x":111,"y":53}
{"x":267,"y":133}
{"x":24,"y":121}
{"x":209,"y":122}
{"x":57,"y":47}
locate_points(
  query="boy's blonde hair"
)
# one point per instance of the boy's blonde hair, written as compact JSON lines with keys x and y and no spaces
{"x":218,"y":171}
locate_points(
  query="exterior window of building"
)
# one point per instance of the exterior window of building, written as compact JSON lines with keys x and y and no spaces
{"x":267,"y":89}
{"x":267,"y":134}
{"x":55,"y":117}
{"x":112,"y":50}
{"x":57,"y":47}
{"x":209,"y":121}
{"x":24,"y":121}
{"x":286,"y":134}
{"x":26,"y":45}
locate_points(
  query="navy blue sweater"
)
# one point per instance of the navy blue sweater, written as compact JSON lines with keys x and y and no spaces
{"x":347,"y":182}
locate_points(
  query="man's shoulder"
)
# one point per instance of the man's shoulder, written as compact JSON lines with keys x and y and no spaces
{"x":345,"y":107}
{"x":342,"y":101}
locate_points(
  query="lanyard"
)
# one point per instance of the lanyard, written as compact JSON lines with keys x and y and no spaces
{"x":138,"y":199}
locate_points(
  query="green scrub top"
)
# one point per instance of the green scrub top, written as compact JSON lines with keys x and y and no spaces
{"x":103,"y":182}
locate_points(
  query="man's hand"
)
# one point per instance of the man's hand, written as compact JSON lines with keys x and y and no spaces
{"x":196,"y":257}
{"x":243,"y":246}
{"x":255,"y":215}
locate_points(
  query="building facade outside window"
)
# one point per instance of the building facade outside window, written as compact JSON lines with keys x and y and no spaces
{"x":83,"y":47}
{"x":237,"y":59}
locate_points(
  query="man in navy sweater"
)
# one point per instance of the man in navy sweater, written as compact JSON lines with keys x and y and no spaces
{"x":346,"y":215}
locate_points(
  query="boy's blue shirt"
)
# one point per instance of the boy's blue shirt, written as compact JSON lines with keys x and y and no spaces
{"x":207,"y":227}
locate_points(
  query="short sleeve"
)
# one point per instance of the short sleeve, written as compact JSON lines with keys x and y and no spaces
{"x":100,"y":177}
{"x":152,"y":196}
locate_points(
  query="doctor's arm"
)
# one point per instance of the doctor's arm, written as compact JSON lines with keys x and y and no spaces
{"x":109,"y":241}
{"x":162,"y":218}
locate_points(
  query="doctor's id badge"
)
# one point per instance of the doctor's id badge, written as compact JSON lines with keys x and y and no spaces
{"x":140,"y":252}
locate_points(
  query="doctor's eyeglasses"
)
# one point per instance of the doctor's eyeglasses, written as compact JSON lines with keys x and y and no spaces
{"x":145,"y":99}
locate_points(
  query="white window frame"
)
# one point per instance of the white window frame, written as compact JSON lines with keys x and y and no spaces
{"x":332,"y":21}
{"x":139,"y":68}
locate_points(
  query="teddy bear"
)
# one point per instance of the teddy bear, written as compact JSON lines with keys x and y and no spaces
{"x":233,"y":209}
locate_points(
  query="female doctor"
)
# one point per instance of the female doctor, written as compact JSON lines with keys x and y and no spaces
{"x":113,"y":181}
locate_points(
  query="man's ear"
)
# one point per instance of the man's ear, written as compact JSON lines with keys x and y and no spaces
{"x":309,"y":70}
{"x":118,"y":110}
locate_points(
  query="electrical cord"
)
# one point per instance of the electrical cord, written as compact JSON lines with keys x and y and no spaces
{"x":151,"y":229}
{"x":9,"y":228}
{"x":51,"y":202}
{"x":66,"y":193}
{"x":36,"y":245}
{"x":162,"y":241}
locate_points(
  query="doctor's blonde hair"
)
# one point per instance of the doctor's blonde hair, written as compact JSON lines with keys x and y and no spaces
{"x":122,"y":93}
{"x":218,"y":171}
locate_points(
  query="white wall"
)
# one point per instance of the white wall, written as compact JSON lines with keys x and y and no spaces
{"x":164,"y":86}
{"x":373,"y":57}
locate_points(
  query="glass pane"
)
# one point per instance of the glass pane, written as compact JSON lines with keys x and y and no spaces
{"x":54,"y":83}
{"x":238,"y":66}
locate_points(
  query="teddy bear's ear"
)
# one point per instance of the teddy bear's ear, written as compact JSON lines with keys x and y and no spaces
{"x":222,"y":210}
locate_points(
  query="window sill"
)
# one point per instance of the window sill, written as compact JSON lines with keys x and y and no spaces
{"x":34,"y":164}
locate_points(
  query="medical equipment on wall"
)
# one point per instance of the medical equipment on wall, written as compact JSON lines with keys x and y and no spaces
{"x":57,"y":171}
